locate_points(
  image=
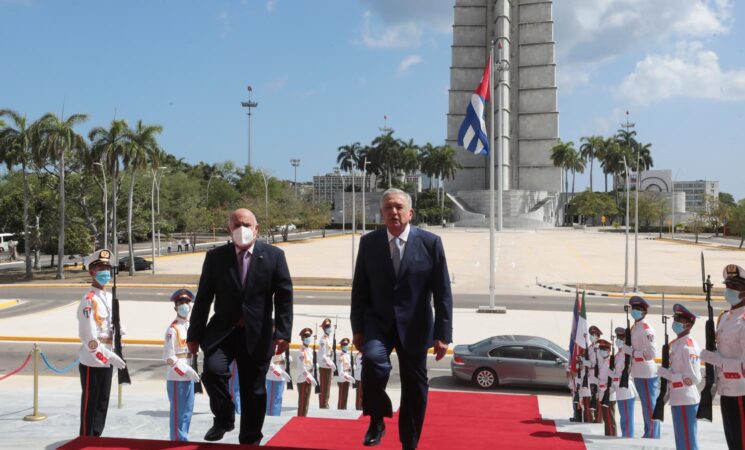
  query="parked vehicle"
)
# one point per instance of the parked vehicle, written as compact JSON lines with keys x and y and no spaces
{"x":140,"y":263}
{"x":511,"y":359}
{"x":281,"y":228}
{"x":5,"y":240}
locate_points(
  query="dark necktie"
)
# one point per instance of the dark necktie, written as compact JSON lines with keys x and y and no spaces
{"x":396,"y":255}
{"x":243,"y":265}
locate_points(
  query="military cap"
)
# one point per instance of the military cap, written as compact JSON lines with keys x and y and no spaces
{"x":733,"y":271}
{"x":603,"y":344}
{"x":306,"y":332}
{"x":326,"y":323}
{"x":595,"y":331}
{"x":620,"y":332}
{"x":181,"y":295}
{"x":681,"y":312}
{"x":102,"y":256}
{"x":638,"y":302}
{"x":344,"y":341}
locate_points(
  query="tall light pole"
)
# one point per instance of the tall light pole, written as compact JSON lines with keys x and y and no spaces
{"x":343,"y":211}
{"x":628,"y":125}
{"x":364,"y":188}
{"x":354,"y":211}
{"x":502,"y":66}
{"x":105,"y":206}
{"x":626,"y":260}
{"x":266,"y":203}
{"x":295,"y":163}
{"x":161,"y":171}
{"x":248,"y":105}
{"x":152,"y":215}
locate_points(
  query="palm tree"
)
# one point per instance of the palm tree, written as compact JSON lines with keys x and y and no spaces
{"x":409,"y":158}
{"x":592,"y":147}
{"x":426,"y":160}
{"x":349,"y":156}
{"x":562,"y":155}
{"x":141,"y":144}
{"x":56,"y":136}
{"x":387,"y":151}
{"x":575,"y":163}
{"x":16,"y":148}
{"x":109,"y":146}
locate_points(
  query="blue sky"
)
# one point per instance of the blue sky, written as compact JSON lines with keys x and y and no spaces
{"x":326,"y":72}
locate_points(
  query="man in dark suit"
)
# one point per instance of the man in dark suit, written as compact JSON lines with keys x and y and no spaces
{"x":248,"y":280}
{"x":400,"y":272}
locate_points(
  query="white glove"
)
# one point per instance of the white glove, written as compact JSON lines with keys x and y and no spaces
{"x":664,"y":373}
{"x":186,"y":370}
{"x":713,"y":358}
{"x":628,"y":350}
{"x":109,"y":358}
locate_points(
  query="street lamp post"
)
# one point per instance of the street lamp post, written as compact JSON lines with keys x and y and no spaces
{"x":266,"y":203}
{"x":155,"y":186}
{"x":159,"y":178}
{"x":364,"y":188}
{"x":626,"y":260}
{"x":248,"y":105}
{"x":354,"y":212}
{"x":343,"y":210}
{"x":295,"y":163}
{"x":105,"y":207}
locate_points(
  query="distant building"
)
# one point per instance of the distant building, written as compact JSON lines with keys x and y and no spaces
{"x":326,"y":187}
{"x":697,"y":193}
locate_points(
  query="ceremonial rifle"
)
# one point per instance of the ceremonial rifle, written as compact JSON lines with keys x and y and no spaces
{"x":287,"y":368}
{"x":612,"y":367}
{"x":659,"y":407}
{"x":336,"y":369}
{"x":704,"y":406}
{"x":195,"y":365}
{"x":354,"y":363}
{"x":315,"y":363}
{"x":596,"y":372}
{"x":122,"y":374}
{"x":577,"y":404}
{"x":624,"y":383}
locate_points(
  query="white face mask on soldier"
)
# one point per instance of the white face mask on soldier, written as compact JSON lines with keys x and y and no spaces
{"x":242,"y":236}
{"x":732,"y":296}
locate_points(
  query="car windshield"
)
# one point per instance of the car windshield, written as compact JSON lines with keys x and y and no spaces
{"x":479,"y":345}
{"x":558,"y":349}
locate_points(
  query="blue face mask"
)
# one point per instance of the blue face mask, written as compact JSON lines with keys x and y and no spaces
{"x":345,"y":348}
{"x":620,"y":343}
{"x":732,"y":296}
{"x":636,"y":314}
{"x":604,"y":353}
{"x":678,"y":327}
{"x":103,"y":277}
{"x":307,"y":340}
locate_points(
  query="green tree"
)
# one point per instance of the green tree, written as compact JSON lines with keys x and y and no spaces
{"x":56,"y":138}
{"x":16,"y":149}
{"x":727,"y":199}
{"x":385,"y":155}
{"x":737,"y":221}
{"x":593,"y":204}
{"x":563,"y":155}
{"x":316,"y":216}
{"x":590,"y":149}
{"x":349,"y":156}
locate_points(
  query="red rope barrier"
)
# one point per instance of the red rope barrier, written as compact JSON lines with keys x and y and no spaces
{"x":25,"y":363}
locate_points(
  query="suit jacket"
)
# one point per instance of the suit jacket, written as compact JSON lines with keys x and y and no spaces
{"x":268,"y":287}
{"x":380,"y":298}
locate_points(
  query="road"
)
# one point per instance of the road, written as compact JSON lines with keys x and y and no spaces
{"x":41,"y":298}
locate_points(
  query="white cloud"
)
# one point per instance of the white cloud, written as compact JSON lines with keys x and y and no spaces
{"x":590,"y":33}
{"x":408,"y":62}
{"x":404,"y":24}
{"x":692,"y":71}
{"x":223,"y":21}
{"x":276,"y":84}
{"x":402,"y":35}
{"x":270,"y":5}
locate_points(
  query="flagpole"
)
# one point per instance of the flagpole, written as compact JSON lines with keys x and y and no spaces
{"x":492,"y":237}
{"x":500,"y":157}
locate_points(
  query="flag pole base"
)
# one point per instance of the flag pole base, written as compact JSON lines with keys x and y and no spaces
{"x":492,"y":309}
{"x":35,"y":417}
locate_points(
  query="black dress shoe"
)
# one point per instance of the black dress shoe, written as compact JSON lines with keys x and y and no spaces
{"x":217,"y":432}
{"x":375,"y":432}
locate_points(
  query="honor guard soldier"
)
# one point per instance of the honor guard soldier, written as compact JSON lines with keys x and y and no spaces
{"x":729,"y":359}
{"x":97,"y":357}
{"x":625,"y":396}
{"x":358,"y":380}
{"x":305,"y":380}
{"x":180,"y":375}
{"x":325,"y":363}
{"x":345,"y":378}
{"x":643,"y":367}
{"x":607,"y":412}
{"x":592,"y":356}
{"x":683,"y":377}
{"x":276,"y":378}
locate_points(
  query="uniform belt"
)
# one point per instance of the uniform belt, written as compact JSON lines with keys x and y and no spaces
{"x":105,"y":340}
{"x":184,"y":355}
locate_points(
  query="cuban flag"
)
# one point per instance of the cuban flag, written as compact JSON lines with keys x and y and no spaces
{"x":578,"y":337}
{"x":472,"y":133}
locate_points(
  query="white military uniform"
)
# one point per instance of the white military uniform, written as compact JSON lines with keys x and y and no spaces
{"x":276,"y":377}
{"x":684,"y":373}
{"x":95,"y":328}
{"x":325,"y":353}
{"x":730,"y":370}
{"x":621,"y":392}
{"x":175,"y":352}
{"x":642,"y":358}
{"x":344,"y":367}
{"x":305,"y":379}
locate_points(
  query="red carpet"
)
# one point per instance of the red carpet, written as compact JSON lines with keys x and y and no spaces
{"x":91,"y":443}
{"x":454,"y":421}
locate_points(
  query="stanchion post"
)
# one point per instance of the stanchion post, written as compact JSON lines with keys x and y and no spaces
{"x":36,"y":417}
{"x":119,"y":399}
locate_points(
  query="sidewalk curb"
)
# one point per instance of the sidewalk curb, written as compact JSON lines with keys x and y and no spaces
{"x":690,"y":298}
{"x":9,"y":303}
{"x":157,"y":342}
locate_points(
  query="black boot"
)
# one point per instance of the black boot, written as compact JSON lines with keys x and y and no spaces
{"x":375,"y":432}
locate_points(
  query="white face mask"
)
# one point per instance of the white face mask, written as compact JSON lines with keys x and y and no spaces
{"x":183,"y":310}
{"x":327,"y":331}
{"x":243,"y":236}
{"x":732,"y":296}
{"x":620,"y":343}
{"x":307,"y":340}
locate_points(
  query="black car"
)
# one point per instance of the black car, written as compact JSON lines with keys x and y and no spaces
{"x":140,"y":263}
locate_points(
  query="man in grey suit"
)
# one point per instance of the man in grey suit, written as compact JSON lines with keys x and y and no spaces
{"x":401,"y":273}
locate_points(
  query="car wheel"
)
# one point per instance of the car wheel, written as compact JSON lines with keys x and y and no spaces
{"x":485,"y":378}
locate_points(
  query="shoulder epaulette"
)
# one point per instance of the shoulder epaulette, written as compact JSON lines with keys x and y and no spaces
{"x":689,"y":342}
{"x":646,"y":325}
{"x":89,"y":296}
